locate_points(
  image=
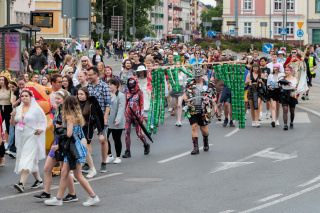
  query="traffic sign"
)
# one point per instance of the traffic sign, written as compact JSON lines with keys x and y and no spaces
{"x":283,"y":31}
{"x":284,"y":49}
{"x":218,"y":43}
{"x":211,"y":33}
{"x":173,"y":41}
{"x":300,"y":24}
{"x":231,"y":32}
{"x":196,"y":32}
{"x":266,"y":48}
{"x":99,"y":25}
{"x":300,"y":33}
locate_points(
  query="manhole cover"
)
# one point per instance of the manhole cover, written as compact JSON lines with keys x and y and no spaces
{"x":143,"y":180}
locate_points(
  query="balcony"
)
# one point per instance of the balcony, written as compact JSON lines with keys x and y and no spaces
{"x":192,"y":22}
{"x":170,"y":6}
{"x":192,"y":5}
{"x":179,"y":19}
{"x":157,"y":27}
{"x":191,"y":14}
{"x":161,"y":4}
{"x":169,"y":18}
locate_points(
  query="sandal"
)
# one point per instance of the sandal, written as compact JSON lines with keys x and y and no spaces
{"x":172,"y":112}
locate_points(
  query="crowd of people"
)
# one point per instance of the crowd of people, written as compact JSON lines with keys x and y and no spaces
{"x":89,"y":100}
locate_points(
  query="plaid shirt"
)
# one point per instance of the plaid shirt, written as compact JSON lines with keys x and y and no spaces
{"x":102,"y":93}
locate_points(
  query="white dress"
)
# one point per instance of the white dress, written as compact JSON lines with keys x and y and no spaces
{"x":30,"y":147}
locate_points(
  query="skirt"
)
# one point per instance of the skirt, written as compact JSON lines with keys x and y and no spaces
{"x":81,"y":151}
{"x":177,"y":94}
{"x":27,"y":151}
{"x":275,"y":94}
{"x":287,"y":100}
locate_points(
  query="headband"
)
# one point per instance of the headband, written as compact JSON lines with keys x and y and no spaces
{"x":289,"y":68}
{"x":61,"y":93}
{"x":25,"y":89}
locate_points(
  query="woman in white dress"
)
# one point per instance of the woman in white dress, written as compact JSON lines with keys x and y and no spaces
{"x":31,"y":124}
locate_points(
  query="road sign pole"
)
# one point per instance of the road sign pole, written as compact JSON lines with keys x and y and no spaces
{"x":118,"y":29}
{"x":74,"y":25}
{"x":300,"y":43}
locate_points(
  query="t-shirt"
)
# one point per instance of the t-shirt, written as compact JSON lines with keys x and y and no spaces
{"x":135,"y":66}
{"x":98,"y":59}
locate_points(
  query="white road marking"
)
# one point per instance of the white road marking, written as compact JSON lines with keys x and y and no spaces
{"x":270,"y":197}
{"x":277,"y":156}
{"x":179,"y":156}
{"x":233,"y":132}
{"x":227,"y":211}
{"x":57,"y":187}
{"x":308,"y":110}
{"x":282,"y":199}
{"x":229,"y":165}
{"x":254,"y":155}
{"x":310,"y":182}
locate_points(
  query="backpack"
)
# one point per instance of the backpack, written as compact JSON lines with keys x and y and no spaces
{"x":95,"y":102}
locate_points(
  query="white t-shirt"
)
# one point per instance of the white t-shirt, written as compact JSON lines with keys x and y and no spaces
{"x":274,"y":79}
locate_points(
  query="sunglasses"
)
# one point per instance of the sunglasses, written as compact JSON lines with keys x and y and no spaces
{"x":223,"y":55}
{"x":84,"y":61}
{"x":70,"y":72}
{"x":293,"y":52}
{"x":197,"y":53}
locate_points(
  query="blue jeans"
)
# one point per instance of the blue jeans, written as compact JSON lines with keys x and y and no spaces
{"x":11,"y":137}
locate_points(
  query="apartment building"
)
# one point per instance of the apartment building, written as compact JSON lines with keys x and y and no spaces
{"x":156,"y":18}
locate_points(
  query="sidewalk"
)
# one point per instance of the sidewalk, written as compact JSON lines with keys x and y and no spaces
{"x":311,"y":106}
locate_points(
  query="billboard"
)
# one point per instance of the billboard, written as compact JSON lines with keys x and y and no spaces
{"x":12,"y":57}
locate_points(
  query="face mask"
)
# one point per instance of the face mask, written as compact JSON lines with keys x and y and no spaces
{"x":132,"y":84}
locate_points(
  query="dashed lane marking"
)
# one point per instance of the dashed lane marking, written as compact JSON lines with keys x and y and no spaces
{"x":270,"y":198}
{"x":179,"y":156}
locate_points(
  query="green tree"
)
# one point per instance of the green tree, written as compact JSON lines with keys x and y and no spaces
{"x":141,"y":15}
{"x":206,"y":16}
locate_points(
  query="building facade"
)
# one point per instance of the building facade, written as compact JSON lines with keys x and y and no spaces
{"x":264,"y":18}
{"x":157,"y":19}
{"x":313,"y":21}
{"x":185,"y":15}
{"x":60,"y":27}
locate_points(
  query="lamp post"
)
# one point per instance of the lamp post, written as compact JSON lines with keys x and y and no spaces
{"x":113,"y":16}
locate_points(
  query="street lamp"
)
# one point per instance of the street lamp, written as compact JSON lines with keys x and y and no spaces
{"x":113,"y":15}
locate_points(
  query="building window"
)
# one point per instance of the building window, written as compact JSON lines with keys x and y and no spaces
{"x":247,"y":28}
{"x":290,"y":4}
{"x":277,"y":28}
{"x":290,"y":28}
{"x":277,"y":4}
{"x":317,"y":6}
{"x":247,"y":4}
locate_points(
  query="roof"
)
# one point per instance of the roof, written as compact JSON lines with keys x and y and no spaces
{"x":25,"y":27}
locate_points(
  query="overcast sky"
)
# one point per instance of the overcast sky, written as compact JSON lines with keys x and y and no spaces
{"x":211,"y":2}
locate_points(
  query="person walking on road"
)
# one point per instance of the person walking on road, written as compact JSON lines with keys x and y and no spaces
{"x":97,"y":58}
{"x":31,"y":124}
{"x":274,"y":94}
{"x":116,"y":120}
{"x":101,"y":92}
{"x":288,"y":98}
{"x":73,"y":119}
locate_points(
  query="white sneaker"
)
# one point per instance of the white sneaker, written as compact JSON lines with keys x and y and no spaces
{"x":179,"y":124}
{"x":117,"y":161}
{"x":110,"y":159}
{"x":268,"y":115}
{"x":176,"y":123}
{"x":92,"y":172}
{"x":257,"y":124}
{"x":53,"y":202}
{"x":91,"y":201}
{"x":170,"y":109}
{"x":253,"y":123}
{"x":260,"y":118}
{"x":277,"y":123}
{"x":8,"y":152}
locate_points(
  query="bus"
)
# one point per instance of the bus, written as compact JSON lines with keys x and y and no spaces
{"x":177,"y":38}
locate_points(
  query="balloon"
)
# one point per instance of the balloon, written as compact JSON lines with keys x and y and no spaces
{"x":125,"y":56}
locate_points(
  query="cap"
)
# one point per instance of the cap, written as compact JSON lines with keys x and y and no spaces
{"x":277,"y":66}
{"x":280,"y":52}
{"x":161,"y":51}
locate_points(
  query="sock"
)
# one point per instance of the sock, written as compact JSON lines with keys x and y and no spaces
{"x":307,"y":94}
{"x":260,"y":113}
{"x":94,"y":196}
{"x":205,"y":137}
{"x":194,"y":139}
{"x":59,"y":198}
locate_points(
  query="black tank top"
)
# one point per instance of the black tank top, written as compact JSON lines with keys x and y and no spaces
{"x":252,"y":78}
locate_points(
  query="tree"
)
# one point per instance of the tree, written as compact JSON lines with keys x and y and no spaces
{"x":141,"y":13}
{"x":206,"y":16}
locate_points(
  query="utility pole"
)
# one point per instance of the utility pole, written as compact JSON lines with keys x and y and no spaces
{"x":74,"y":25}
{"x":8,"y":11}
{"x":134,"y":14}
{"x":113,"y":16}
{"x":283,"y":21}
{"x":101,"y":38}
{"x":125,"y":44}
{"x":236,"y":10}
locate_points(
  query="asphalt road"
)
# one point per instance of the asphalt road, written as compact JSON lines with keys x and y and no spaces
{"x":250,"y":170}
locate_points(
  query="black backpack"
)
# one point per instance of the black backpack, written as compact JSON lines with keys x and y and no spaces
{"x":95,"y":102}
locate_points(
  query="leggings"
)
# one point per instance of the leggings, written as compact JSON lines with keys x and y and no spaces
{"x":116,"y":135}
{"x":129,"y":120}
{"x":5,"y":114}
